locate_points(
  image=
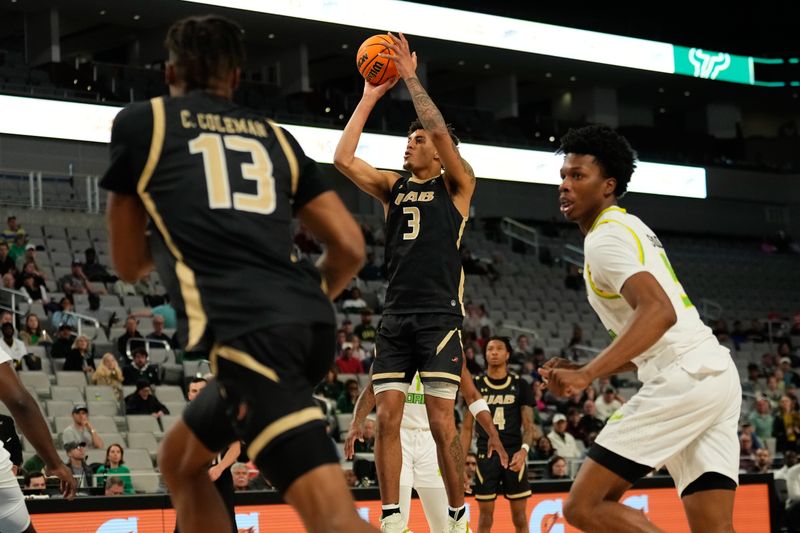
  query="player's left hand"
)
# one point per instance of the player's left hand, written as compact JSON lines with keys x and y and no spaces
{"x":214,"y":472}
{"x":565,"y":382}
{"x":518,"y":461}
{"x":495,"y":446}
{"x":404,"y":59}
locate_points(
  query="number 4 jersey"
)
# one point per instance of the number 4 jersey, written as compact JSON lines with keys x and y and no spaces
{"x":619,"y":246}
{"x":505,"y":397}
{"x":220,"y":184}
{"x":423,"y":236}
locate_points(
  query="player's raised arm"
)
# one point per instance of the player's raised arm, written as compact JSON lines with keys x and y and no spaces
{"x":377,"y":183}
{"x":459,"y":176}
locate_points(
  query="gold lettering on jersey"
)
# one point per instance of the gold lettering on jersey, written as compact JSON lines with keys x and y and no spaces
{"x":222,"y":124}
{"x":413,"y":196}
{"x":500,"y":399}
{"x":186,"y":119}
{"x":410,"y":197}
{"x":426,"y":196}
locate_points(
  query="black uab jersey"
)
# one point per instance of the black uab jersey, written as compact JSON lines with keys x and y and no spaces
{"x":505,"y":397}
{"x":220,"y":184}
{"x":423,"y":236}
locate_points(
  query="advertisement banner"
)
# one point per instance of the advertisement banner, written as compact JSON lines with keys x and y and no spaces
{"x":544,"y":512}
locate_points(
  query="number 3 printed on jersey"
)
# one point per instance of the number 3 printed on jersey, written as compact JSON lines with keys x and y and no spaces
{"x":212,"y":146}
{"x":413,"y":223}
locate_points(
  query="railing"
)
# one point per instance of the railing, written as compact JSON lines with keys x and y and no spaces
{"x":14,"y":294}
{"x":45,"y":190}
{"x":80,"y":320}
{"x":573,"y":255}
{"x":147,"y":342}
{"x":521,"y":232}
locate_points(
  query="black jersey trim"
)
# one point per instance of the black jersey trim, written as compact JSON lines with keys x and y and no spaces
{"x":191,"y":295}
{"x":294,"y":168}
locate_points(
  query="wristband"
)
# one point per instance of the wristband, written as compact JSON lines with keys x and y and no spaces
{"x":526,"y":447}
{"x":477,"y":406}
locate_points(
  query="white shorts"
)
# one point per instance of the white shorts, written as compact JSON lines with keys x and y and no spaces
{"x":687,"y":422}
{"x":420,"y":464}
{"x":14,"y":516}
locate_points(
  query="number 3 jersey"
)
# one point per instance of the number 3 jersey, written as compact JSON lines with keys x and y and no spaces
{"x":505,"y":397}
{"x":620,"y":245}
{"x":220,"y":184}
{"x":423,"y":237}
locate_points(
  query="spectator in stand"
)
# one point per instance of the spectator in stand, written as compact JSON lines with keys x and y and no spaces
{"x":790,"y":377}
{"x":483,"y":340}
{"x":347,"y":327}
{"x":590,"y":422}
{"x":748,"y":428}
{"x":12,"y":230}
{"x":243,"y":480}
{"x":330,"y":387}
{"x":355,"y":303}
{"x":109,"y":373}
{"x":557,"y":468}
{"x":131,"y":332}
{"x":538,"y":395}
{"x":17,"y":247}
{"x":63,"y":316}
{"x":471,"y":360}
{"x":786,"y":426}
{"x":470,"y":469}
{"x":347,"y":400}
{"x":762,"y":419}
{"x":115,"y":486}
{"x":524,"y":350}
{"x":139,"y":368}
{"x":62,"y":344}
{"x":769,"y":363}
{"x":6,"y":263}
{"x":358,"y":352}
{"x":608,"y":403}
{"x":789,"y":460}
{"x":34,"y":287}
{"x":75,"y":282}
{"x":472,"y":264}
{"x":30,"y":257}
{"x":115,"y":466}
{"x":158,"y":331}
{"x":162,"y":307}
{"x":747,"y":456}
{"x":773,"y":391}
{"x":751,"y":384}
{"x":34,"y":481}
{"x":32,"y":334}
{"x":346,"y":363}
{"x":9,"y":282}
{"x":763,"y":462}
{"x":6,"y":317}
{"x":577,"y":336}
{"x":563,"y":443}
{"x":76,"y":463}
{"x":366,"y":331}
{"x":144,"y":402}
{"x":472,"y":319}
{"x":81,"y":429}
{"x":14,"y":347}
{"x":543,"y":450}
{"x":80,"y":358}
{"x":367,"y":442}
{"x":371,"y":271}
{"x":94,"y":270}
{"x":574,"y":427}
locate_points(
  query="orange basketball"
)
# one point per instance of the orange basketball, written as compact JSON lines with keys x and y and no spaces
{"x":374,"y":68}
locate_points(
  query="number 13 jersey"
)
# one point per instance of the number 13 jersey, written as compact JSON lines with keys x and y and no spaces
{"x":220,"y":184}
{"x":423,"y":237}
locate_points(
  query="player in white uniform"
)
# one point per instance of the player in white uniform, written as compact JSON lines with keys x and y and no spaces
{"x":14,"y":517}
{"x":420,"y":468}
{"x":685,"y":415}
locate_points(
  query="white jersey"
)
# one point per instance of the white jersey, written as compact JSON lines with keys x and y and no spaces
{"x":6,"y":476}
{"x":620,"y":245}
{"x":414,"y":415}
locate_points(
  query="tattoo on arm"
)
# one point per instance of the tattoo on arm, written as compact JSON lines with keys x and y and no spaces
{"x":528,"y":427}
{"x":428,"y":113}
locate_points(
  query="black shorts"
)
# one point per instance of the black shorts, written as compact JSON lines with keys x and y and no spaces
{"x":493,"y":479}
{"x":262,"y":396}
{"x":429,"y":343}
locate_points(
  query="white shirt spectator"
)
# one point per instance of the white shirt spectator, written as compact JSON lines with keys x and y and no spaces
{"x":564,"y":445}
{"x":606,"y":407}
{"x":16,"y":351}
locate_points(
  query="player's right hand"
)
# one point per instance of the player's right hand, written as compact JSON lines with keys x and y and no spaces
{"x":560,"y":362}
{"x":495,"y":446}
{"x":356,"y":431}
{"x":377,"y":91}
{"x":68,"y":486}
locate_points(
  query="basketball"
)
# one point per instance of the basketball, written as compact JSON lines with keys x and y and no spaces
{"x":375,"y":69}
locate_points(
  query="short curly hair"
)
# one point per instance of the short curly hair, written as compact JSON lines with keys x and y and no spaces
{"x":612,"y":151}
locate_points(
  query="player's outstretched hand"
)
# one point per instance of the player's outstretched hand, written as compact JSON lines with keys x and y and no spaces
{"x":495,"y":446}
{"x":404,"y":59}
{"x":68,"y":486}
{"x":356,"y":431}
{"x":518,"y":461}
{"x":377,"y":91}
{"x":565,"y":381}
